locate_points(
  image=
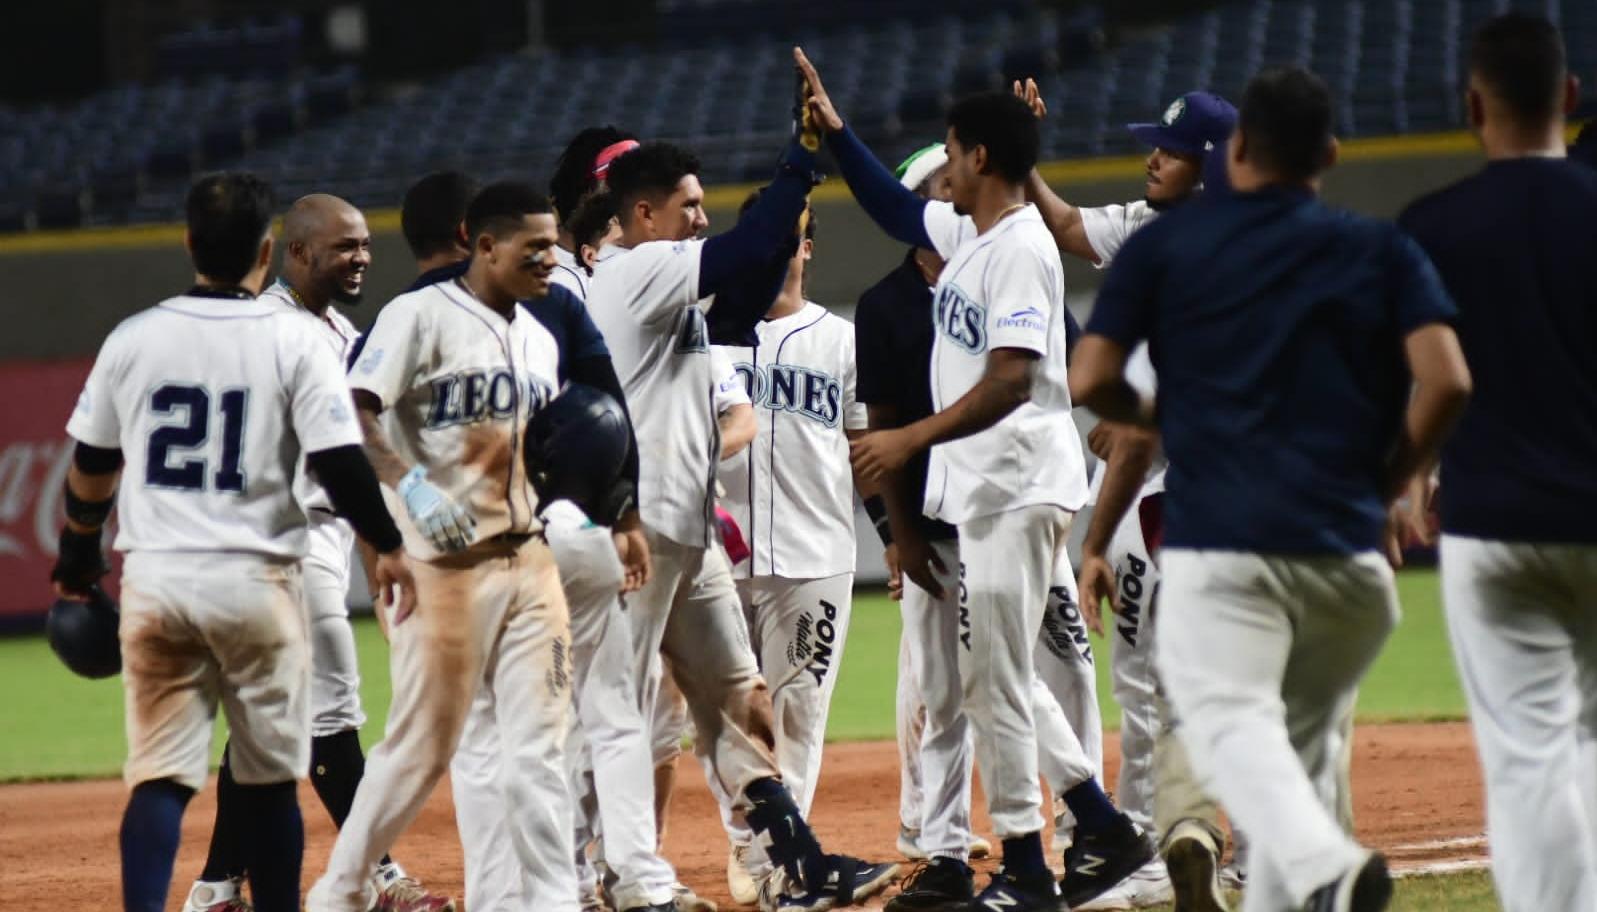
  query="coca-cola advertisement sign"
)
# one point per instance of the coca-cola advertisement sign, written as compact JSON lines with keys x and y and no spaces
{"x":34,"y":454}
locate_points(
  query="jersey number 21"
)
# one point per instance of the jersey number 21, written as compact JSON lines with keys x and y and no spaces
{"x":193,"y":404}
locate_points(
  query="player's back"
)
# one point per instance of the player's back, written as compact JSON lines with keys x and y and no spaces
{"x":1515,"y":245}
{"x":1278,"y":342}
{"x":645,"y":302}
{"x":197,"y":392}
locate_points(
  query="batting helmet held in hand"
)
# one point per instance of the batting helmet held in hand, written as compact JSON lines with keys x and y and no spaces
{"x":575,"y":449}
{"x":83,"y":634}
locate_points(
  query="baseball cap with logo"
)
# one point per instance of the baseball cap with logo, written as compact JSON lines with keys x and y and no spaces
{"x":1192,"y":124}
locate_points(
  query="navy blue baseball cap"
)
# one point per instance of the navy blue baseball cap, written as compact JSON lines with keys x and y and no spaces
{"x":1192,"y":124}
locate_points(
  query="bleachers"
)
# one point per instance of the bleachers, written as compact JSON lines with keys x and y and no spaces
{"x":126,"y":154}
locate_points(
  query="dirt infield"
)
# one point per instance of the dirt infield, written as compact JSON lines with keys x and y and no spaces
{"x":1417,"y":789}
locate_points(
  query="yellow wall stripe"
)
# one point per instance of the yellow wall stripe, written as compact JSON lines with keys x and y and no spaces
{"x":729,"y":196}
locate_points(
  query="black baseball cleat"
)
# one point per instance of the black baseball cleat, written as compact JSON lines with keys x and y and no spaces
{"x":1005,"y":894}
{"x":938,"y":885}
{"x":1095,"y":862}
{"x":848,"y":881}
{"x":1366,"y":888}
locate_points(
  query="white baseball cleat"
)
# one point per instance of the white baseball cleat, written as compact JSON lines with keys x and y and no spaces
{"x":1149,"y":886}
{"x":740,"y":880}
{"x":217,"y":896}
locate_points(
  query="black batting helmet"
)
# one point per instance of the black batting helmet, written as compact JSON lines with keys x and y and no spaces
{"x":575,"y":450}
{"x":83,"y":634}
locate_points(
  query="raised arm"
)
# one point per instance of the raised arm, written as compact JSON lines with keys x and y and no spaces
{"x":763,"y":232}
{"x":897,"y":210}
{"x":1063,"y":220}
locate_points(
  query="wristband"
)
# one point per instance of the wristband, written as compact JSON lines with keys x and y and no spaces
{"x":876,"y":509}
{"x":90,"y":513}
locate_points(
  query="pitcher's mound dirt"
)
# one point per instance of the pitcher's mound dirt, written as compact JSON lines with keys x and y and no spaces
{"x":1417,"y":789}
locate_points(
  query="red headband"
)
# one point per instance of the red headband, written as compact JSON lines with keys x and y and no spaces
{"x":610,"y":153}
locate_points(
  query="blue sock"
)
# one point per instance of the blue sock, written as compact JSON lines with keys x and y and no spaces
{"x":1093,"y":810}
{"x":151,"y":826}
{"x":226,"y":858}
{"x":1023,"y":860}
{"x":275,"y":846}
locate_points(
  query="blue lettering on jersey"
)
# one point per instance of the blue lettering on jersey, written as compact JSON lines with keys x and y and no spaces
{"x":962,"y":320}
{"x":474,"y":395}
{"x":790,"y":388}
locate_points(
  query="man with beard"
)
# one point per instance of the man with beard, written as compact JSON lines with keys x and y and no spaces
{"x":327,"y":252}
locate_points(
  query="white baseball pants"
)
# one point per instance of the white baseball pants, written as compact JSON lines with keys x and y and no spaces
{"x":203,"y":629}
{"x":797,"y":628}
{"x":1131,"y":667}
{"x":335,"y":668}
{"x":1524,"y":633}
{"x":492,"y":619}
{"x":1261,"y":656}
{"x":607,"y":754}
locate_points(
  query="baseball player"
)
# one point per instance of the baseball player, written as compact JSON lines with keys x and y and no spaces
{"x":202,"y":408}
{"x":1513,"y":245}
{"x":459,"y":368}
{"x":647,"y":298}
{"x":327,"y":251}
{"x":894,"y":332}
{"x":791,"y":494}
{"x":1006,"y":469}
{"x":603,"y":778}
{"x":1286,"y":337}
{"x":1118,"y":552}
{"x":578,"y":172}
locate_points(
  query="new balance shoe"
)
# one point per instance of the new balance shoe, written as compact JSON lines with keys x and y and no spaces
{"x":848,"y":881}
{"x":1193,"y":860}
{"x":1149,"y":886}
{"x":939,"y":885}
{"x":217,"y":896}
{"x":1098,"y":861}
{"x":1366,"y":887}
{"x":1005,"y":894}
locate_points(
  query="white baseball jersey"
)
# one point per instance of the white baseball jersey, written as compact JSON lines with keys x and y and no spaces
{"x":569,"y":273}
{"x":331,"y":538}
{"x":730,"y":390}
{"x":459,"y":383}
{"x":645,"y":300}
{"x":213,"y":401}
{"x":792,"y":490}
{"x":1107,"y":228}
{"x":1001,"y":289}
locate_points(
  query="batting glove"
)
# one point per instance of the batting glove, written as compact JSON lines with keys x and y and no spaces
{"x":445,"y":523}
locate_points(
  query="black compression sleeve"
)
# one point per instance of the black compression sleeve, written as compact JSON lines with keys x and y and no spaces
{"x":351,"y":484}
{"x":93,"y":460}
{"x":599,"y":372}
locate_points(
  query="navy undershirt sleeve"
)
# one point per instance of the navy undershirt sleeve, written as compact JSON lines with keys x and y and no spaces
{"x":351,"y":484}
{"x":896,"y":209}
{"x":762,"y":231}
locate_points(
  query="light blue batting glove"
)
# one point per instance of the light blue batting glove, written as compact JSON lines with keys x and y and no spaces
{"x":445,"y":523}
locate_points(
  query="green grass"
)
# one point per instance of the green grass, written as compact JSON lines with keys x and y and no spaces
{"x":58,"y":725}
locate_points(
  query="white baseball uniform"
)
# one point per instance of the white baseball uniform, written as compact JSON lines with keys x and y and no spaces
{"x":213,"y":400}
{"x":459,"y":383}
{"x":569,"y":273}
{"x":335,"y":671}
{"x":1011,"y":489}
{"x":792,"y":494}
{"x":645,"y":300}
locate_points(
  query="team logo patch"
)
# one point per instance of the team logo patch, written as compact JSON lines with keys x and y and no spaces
{"x":559,"y":676}
{"x":84,"y":402}
{"x":1133,"y":577}
{"x":814,"y":642}
{"x":339,"y":412}
{"x":1065,"y":629}
{"x":369,"y":361}
{"x":1174,"y":112}
{"x":1028,"y":318}
{"x":961,"y":319}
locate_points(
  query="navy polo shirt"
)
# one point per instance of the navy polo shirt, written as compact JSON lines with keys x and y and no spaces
{"x":1516,"y":245}
{"x":1276,"y":325}
{"x":893,"y":335}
